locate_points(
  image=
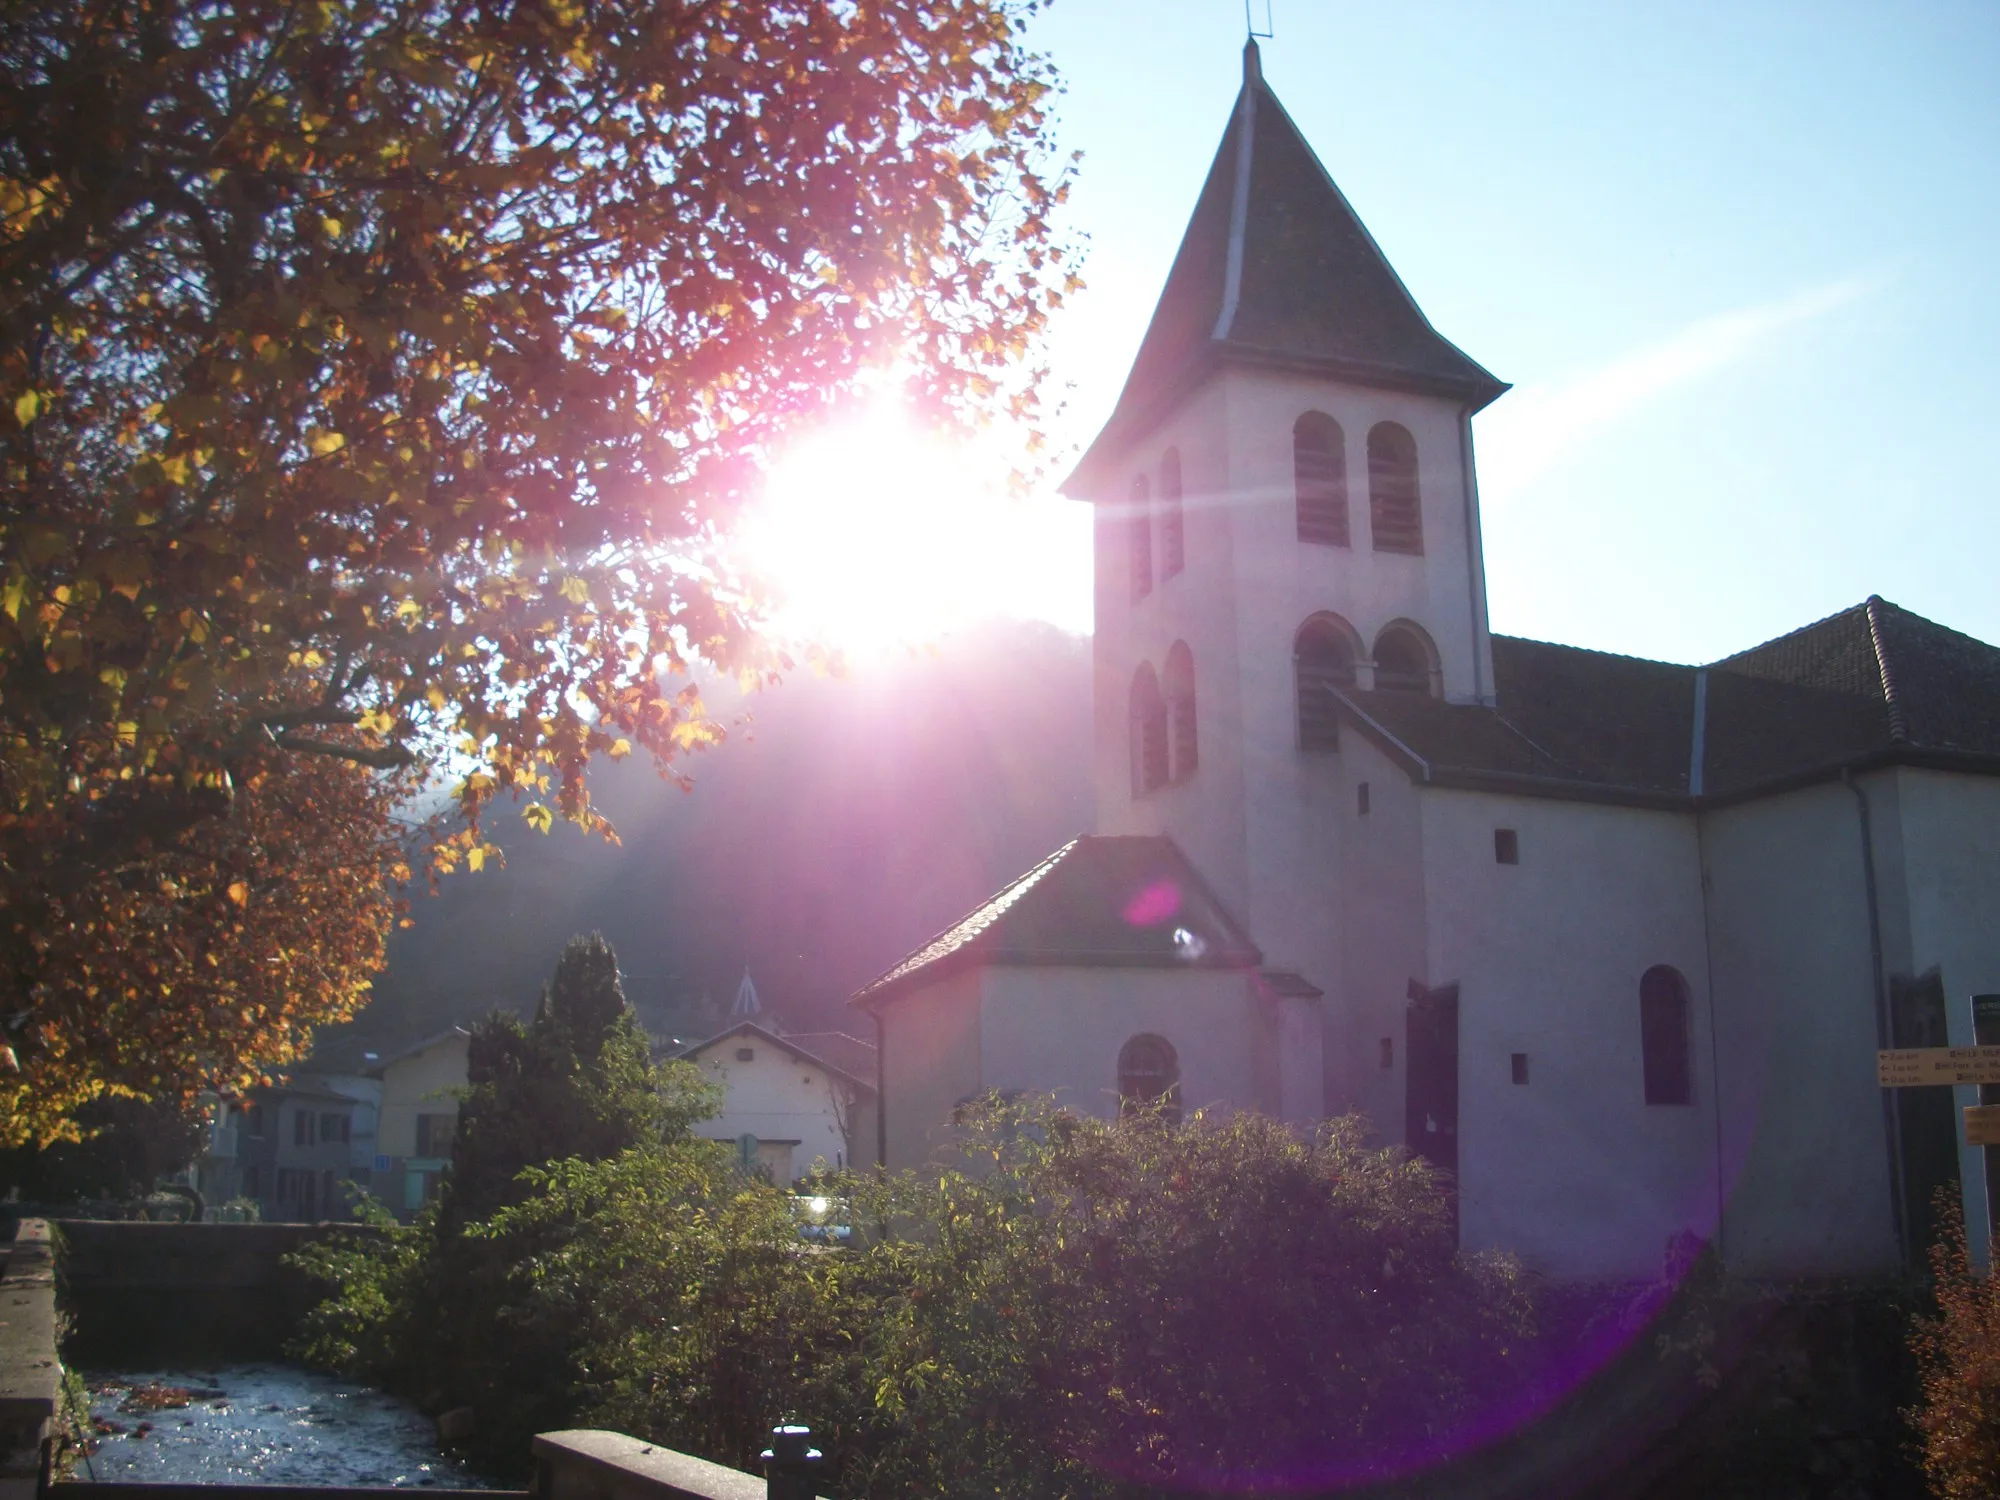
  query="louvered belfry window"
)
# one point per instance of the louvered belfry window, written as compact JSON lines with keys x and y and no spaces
{"x":1322,"y":661}
{"x":1402,"y":662}
{"x":1173,"y":538}
{"x":1149,"y":733}
{"x":1139,"y":517}
{"x":1395,"y":514}
{"x":1319,"y":477}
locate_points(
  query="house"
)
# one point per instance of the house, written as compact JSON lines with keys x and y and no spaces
{"x":292,"y":1145}
{"x":417,"y":1117}
{"x":1612,"y":941}
{"x":790,"y":1102}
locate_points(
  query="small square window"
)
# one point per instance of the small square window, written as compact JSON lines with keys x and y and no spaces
{"x":1388,"y":1052}
{"x":745,"y":1054}
{"x":1506,"y":846}
{"x":1520,"y":1065}
{"x":1361,"y":799}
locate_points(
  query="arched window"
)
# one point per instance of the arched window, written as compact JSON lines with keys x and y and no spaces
{"x":1179,"y":689}
{"x":1663,"y":1036}
{"x":1149,"y":1073}
{"x":1140,"y":519}
{"x":1323,"y":656}
{"x":1403,"y":660}
{"x":1394,"y":514}
{"x":1149,"y":732}
{"x":1319,"y":478}
{"x":1173,"y":541}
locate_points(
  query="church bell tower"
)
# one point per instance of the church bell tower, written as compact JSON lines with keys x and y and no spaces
{"x":1286,"y":511}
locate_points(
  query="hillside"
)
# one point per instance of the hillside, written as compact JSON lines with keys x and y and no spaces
{"x":844,"y":821}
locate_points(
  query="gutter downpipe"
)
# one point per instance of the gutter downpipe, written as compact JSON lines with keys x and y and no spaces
{"x":1697,"y":784}
{"x":881,"y":1100}
{"x":1892,"y":1125}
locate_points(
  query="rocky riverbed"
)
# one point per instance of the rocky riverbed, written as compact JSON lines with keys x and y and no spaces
{"x":258,"y":1424}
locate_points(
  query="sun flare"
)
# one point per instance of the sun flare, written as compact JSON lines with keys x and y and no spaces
{"x":874,"y":534}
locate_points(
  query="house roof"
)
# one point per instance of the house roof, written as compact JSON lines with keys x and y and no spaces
{"x":1871,"y":684}
{"x":862,"y":1077}
{"x":1099,"y":901}
{"x":381,"y":1065}
{"x":1275,"y":268}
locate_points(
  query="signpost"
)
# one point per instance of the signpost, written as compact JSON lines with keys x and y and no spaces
{"x":1929,"y":1067}
{"x":1982,"y":1124}
{"x":1917,"y":1067}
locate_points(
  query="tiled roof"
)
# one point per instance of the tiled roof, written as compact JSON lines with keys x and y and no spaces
{"x":1868,"y":683}
{"x":1100,"y":900}
{"x":836,"y":1052}
{"x":1276,"y":268}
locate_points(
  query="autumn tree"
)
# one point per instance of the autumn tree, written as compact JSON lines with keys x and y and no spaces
{"x":376,"y":380}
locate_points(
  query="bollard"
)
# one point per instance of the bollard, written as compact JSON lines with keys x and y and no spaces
{"x":791,"y":1464}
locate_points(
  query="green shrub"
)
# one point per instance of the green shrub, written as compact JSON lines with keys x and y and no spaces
{"x":1958,"y":1356}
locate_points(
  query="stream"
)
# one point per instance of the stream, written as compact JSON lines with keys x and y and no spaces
{"x":264,"y":1423}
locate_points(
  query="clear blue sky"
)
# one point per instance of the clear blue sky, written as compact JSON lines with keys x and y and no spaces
{"x":1741,"y":262}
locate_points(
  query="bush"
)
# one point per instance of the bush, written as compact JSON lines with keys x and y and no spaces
{"x":1083,"y":1308}
{"x":1958,"y":1355}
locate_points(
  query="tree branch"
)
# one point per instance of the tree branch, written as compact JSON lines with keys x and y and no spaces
{"x":382,"y":758}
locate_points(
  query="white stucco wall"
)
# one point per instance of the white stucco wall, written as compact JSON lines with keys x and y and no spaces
{"x":794,"y":1107}
{"x":1379,"y":900}
{"x":930,"y":1061}
{"x":1805,"y":1150}
{"x":1572,"y":1170}
{"x":1058,"y":1030}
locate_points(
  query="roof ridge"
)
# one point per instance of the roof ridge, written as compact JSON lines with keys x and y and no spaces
{"x":1651,"y":661}
{"x":1899,"y":722}
{"x":1838,"y":614}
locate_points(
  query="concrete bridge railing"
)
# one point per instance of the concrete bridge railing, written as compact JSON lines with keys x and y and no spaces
{"x":30,"y":1375}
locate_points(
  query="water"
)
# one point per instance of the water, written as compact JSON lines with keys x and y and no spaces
{"x":259,"y":1424}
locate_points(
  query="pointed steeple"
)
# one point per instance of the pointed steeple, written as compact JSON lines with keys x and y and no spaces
{"x":1276,"y":269}
{"x":747,"y":1004}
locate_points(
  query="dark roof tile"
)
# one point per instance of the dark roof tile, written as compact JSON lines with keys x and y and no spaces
{"x":1098,"y":900}
{"x":1306,"y":287}
{"x":1856,"y":685}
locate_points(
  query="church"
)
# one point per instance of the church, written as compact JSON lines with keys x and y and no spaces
{"x":1613,"y":942}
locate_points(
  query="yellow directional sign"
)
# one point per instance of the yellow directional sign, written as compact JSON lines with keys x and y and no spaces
{"x":1916,"y":1067}
{"x":1982,"y":1124}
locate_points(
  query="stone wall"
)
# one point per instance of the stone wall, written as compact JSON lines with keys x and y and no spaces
{"x":135,"y":1290}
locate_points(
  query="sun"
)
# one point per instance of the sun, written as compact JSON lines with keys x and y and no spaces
{"x":874,"y":534}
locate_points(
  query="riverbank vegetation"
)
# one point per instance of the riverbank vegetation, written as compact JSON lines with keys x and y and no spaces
{"x":1077,"y":1306}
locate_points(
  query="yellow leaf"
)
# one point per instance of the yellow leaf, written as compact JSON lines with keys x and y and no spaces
{"x":27,"y":406}
{"x":323,"y":443}
{"x":377,"y":721}
{"x":409,"y":609}
{"x":575,"y":589}
{"x":620,"y":749}
{"x":331,"y":227}
{"x":475,"y":859}
{"x":538,"y":817}
{"x":239,"y":893}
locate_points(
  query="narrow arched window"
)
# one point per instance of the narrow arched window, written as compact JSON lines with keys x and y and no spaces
{"x":1319,"y":478}
{"x":1323,"y":657}
{"x":1140,"y":519}
{"x":1184,"y":752}
{"x":1149,"y":1076}
{"x":1173,"y":540}
{"x":1149,"y":732}
{"x":1403,"y":660}
{"x":1663,"y":1036}
{"x":1394,"y":513}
